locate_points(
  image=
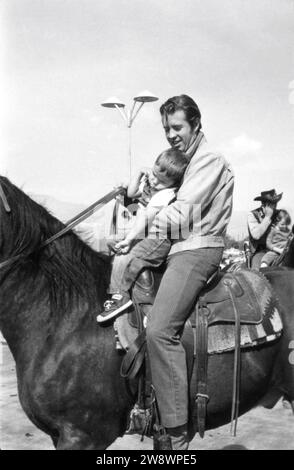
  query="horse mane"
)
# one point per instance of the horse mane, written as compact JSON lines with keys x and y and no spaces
{"x":72,"y":269}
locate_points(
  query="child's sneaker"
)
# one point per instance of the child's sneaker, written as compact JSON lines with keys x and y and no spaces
{"x":113,"y":307}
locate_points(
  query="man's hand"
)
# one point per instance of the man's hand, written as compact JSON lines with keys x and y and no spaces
{"x":121,"y":184}
{"x":124,"y":246}
{"x":269,"y":210}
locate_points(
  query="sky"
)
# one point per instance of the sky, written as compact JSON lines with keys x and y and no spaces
{"x":60,"y":59}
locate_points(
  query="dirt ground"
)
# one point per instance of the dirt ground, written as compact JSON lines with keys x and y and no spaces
{"x":258,"y":429}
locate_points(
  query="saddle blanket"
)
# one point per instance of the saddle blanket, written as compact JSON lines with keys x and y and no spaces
{"x":221,"y":338}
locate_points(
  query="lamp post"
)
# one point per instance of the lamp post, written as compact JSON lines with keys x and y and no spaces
{"x":129,"y":116}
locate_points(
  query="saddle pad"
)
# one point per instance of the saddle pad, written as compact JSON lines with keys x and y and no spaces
{"x":221,"y":337}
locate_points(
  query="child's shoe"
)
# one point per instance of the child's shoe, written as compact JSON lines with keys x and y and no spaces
{"x":113,"y":307}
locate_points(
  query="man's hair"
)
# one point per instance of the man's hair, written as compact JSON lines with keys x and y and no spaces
{"x":283,"y":213}
{"x":186,"y":104}
{"x":172,"y":163}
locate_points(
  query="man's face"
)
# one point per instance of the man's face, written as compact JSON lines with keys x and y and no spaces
{"x":266,"y":205}
{"x":273,"y":205}
{"x":177,"y":130}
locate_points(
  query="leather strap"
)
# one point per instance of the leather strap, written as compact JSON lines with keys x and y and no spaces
{"x":134,"y":358}
{"x":4,"y":199}
{"x":237,"y":363}
{"x":201,"y":363}
{"x":85,"y":214}
{"x":248,"y":254}
{"x":70,"y":224}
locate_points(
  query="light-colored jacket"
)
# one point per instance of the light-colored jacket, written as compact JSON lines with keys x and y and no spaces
{"x":203,"y":206}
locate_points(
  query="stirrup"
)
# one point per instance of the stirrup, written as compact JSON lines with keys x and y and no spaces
{"x":140,"y":422}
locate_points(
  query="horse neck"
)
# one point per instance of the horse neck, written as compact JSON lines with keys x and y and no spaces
{"x":21,"y":318}
{"x":31,"y":322}
{"x":49,"y":291}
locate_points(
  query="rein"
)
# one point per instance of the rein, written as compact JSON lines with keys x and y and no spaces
{"x":4,"y":200}
{"x":69,"y":225}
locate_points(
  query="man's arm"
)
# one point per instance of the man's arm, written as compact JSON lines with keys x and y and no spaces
{"x":144,"y":218}
{"x":257,"y":229}
{"x":198,"y":189}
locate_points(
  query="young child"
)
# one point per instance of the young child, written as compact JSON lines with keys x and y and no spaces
{"x":277,"y":238}
{"x":136,"y":252}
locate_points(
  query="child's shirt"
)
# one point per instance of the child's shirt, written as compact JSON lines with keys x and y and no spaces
{"x":153,"y":198}
{"x":277,"y":238}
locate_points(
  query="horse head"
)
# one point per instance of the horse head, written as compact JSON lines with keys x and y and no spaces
{"x":25,"y":225}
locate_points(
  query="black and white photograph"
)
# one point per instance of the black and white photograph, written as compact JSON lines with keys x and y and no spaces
{"x":147,"y":227}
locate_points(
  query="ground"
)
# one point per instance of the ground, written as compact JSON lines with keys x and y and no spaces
{"x":258,"y":429}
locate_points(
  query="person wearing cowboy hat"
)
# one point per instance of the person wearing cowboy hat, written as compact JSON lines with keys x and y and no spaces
{"x":259,"y":224}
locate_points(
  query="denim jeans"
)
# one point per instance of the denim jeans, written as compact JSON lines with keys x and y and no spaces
{"x":186,"y":275}
{"x":147,"y":253}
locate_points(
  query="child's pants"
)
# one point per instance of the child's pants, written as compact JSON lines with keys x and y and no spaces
{"x":147,"y":253}
{"x":269,"y":257}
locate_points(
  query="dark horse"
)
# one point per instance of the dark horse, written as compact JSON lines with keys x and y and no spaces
{"x":68,"y":369}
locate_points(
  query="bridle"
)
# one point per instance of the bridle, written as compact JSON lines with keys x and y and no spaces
{"x":68,"y":226}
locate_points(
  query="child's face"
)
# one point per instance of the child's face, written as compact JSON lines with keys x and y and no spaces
{"x":282,"y":222}
{"x":159,"y":181}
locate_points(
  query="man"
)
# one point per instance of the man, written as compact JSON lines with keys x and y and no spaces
{"x":202,"y":212}
{"x":259,"y":224}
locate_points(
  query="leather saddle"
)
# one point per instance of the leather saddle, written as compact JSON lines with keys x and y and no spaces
{"x":246,"y":286}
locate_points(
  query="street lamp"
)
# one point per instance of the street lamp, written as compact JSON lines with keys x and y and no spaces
{"x":129,"y":116}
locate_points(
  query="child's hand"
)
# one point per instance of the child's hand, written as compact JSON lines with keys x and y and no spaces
{"x":145,"y":171}
{"x":123,"y":247}
{"x":278,"y":250}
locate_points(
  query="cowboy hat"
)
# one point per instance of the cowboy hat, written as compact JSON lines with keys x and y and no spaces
{"x":269,"y":196}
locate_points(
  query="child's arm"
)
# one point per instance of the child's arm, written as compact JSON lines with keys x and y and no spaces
{"x":134,"y":185}
{"x":270,"y":242}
